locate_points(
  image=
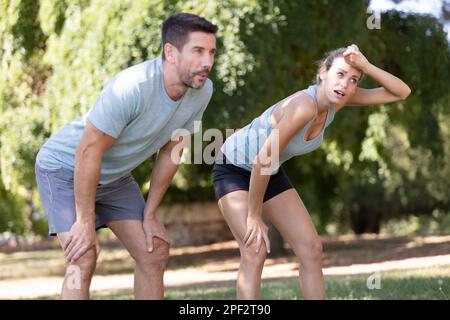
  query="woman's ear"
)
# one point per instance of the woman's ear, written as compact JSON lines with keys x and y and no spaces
{"x":322,"y":73}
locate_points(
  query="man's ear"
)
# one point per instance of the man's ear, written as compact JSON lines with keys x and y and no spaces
{"x":169,"y":52}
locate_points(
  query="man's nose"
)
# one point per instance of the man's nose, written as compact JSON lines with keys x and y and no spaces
{"x":207,"y":61}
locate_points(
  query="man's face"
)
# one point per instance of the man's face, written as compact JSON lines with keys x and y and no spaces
{"x":196,"y":59}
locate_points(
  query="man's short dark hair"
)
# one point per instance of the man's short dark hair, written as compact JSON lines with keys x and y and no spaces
{"x":177,"y":27}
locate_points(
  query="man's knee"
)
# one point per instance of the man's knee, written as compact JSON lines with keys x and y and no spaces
{"x":84,"y":267}
{"x":157,"y":258}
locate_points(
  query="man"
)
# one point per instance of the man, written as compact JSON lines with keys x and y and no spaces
{"x":83,"y":171}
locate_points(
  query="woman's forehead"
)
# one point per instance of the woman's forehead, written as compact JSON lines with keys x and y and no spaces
{"x":340,"y":63}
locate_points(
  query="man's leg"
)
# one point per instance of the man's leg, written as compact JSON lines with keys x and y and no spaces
{"x":150,"y":266}
{"x":78,"y":274}
{"x":56,"y":192}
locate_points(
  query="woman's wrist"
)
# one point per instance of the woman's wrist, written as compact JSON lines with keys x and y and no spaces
{"x":255,"y":214}
{"x":368,"y":68}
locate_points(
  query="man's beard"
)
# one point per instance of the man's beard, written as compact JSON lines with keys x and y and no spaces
{"x":188,"y":78}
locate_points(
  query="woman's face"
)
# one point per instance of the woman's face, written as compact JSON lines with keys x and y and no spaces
{"x":340,"y":82}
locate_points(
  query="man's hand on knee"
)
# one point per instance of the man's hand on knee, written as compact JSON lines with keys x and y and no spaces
{"x":80,"y":239}
{"x":153,"y":228}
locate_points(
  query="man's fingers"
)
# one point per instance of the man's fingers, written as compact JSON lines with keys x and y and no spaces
{"x":80,"y":252}
{"x":149,"y":241}
{"x":67,"y":242}
{"x":68,"y":252}
{"x":71,"y":252}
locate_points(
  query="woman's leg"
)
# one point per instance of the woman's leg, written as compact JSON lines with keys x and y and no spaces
{"x":288,"y":214}
{"x":234,"y":209}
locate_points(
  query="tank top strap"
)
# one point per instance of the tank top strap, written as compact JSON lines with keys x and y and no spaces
{"x":311,"y":91}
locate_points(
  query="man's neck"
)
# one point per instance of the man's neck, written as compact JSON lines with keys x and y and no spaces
{"x":174,"y":87}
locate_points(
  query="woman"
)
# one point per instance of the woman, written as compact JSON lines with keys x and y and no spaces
{"x":248,"y":179}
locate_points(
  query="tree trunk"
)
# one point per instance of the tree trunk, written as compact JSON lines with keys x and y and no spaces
{"x":365,"y":221}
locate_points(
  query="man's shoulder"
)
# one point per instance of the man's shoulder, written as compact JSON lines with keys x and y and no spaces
{"x":141,"y":72}
{"x":209,"y":85}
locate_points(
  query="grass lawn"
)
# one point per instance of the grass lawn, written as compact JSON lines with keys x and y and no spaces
{"x":418,"y":283}
{"x":427,"y":283}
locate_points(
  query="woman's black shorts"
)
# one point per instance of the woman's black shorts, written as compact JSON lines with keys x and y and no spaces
{"x":228,"y":178}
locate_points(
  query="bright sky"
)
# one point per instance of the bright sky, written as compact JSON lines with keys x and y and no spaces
{"x":432,"y":7}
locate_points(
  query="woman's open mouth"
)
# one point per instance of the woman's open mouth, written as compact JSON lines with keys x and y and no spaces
{"x":339,"y":93}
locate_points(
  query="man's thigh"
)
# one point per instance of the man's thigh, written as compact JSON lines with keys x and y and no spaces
{"x":57,"y":196}
{"x":118,"y":201}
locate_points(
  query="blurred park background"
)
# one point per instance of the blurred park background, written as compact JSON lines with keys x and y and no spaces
{"x":382,"y":170}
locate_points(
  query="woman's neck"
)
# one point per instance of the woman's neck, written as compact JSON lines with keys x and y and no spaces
{"x":322,"y":100}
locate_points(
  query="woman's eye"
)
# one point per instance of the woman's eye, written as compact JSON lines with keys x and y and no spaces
{"x":354,"y":80}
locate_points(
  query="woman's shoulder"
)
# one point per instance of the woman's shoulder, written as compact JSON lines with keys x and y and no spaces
{"x":297,"y":107}
{"x":300,"y":103}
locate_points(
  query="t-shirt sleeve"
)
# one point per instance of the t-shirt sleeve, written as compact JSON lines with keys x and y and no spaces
{"x":115,"y":108}
{"x":193,"y":125}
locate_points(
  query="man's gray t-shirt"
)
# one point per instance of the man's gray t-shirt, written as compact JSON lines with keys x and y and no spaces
{"x":135,"y":109}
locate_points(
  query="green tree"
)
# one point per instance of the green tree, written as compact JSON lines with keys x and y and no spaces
{"x":58,"y":54}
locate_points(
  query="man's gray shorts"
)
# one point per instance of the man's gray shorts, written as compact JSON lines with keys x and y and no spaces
{"x":118,"y":200}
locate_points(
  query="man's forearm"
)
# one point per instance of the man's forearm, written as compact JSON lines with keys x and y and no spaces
{"x":162,"y":174}
{"x":87,"y":174}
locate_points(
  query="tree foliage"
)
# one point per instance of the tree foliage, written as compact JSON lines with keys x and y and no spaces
{"x":377,"y":163}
